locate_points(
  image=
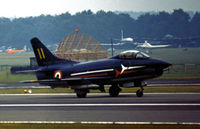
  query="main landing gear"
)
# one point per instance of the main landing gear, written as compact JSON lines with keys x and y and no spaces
{"x":81,"y":93}
{"x":114,"y":90}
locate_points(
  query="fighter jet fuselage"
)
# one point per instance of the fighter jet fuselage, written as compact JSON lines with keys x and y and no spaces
{"x":129,"y":67}
{"x":113,"y":70}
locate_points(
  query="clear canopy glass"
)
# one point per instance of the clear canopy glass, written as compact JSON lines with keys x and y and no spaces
{"x":133,"y":54}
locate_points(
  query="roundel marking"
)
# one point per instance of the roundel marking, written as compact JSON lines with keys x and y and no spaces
{"x":58,"y":74}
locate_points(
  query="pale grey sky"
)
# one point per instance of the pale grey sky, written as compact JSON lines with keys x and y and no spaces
{"x":24,"y":8}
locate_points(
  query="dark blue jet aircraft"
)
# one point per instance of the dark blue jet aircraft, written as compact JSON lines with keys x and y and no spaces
{"x":128,"y":69}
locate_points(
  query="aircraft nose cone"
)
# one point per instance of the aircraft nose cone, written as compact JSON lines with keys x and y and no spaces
{"x":164,"y":65}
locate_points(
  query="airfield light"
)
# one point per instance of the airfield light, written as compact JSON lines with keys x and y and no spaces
{"x":28,"y":91}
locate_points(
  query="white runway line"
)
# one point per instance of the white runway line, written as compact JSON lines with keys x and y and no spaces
{"x":40,"y":94}
{"x":99,"y":105}
{"x":99,"y":122}
{"x":192,"y":84}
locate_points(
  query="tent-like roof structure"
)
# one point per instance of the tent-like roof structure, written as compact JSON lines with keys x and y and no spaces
{"x":81,"y":47}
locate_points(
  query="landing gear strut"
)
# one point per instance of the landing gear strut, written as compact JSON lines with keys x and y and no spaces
{"x":81,"y":93}
{"x":101,"y":88}
{"x":114,"y":90}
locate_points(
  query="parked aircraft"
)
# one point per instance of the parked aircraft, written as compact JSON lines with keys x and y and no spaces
{"x":11,"y":51}
{"x":148,"y":45}
{"x":128,"y":69}
{"x":125,"y":39}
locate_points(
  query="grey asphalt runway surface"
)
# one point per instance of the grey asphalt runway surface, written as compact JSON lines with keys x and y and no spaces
{"x":153,"y":107}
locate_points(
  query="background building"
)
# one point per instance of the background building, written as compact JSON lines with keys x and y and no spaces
{"x":80,"y":47}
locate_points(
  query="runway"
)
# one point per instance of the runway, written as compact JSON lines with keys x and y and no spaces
{"x":153,"y":107}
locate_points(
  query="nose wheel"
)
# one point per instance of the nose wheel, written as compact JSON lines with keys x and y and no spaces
{"x":139,"y":93}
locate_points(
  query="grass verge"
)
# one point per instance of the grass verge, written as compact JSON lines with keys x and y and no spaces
{"x":93,"y":126}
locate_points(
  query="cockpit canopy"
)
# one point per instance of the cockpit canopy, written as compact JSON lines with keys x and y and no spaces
{"x":133,"y":54}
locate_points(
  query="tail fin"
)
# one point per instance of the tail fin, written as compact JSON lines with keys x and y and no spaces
{"x":43,"y":55}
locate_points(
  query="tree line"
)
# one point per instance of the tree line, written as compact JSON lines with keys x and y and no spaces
{"x":101,"y":25}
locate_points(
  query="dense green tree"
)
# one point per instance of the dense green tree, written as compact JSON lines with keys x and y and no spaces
{"x":180,"y":23}
{"x":195,"y":25}
{"x":101,"y":25}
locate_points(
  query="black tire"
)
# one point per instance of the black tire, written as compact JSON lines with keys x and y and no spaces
{"x":81,"y":93}
{"x":114,"y":91}
{"x":139,"y":93}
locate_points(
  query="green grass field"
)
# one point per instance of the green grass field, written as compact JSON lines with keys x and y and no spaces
{"x":177,"y":55}
{"x":15,"y":59}
{"x":95,"y":126}
{"x":174,"y":55}
{"x":6,"y":76}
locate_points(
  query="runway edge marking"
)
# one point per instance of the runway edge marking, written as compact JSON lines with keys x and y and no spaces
{"x":71,"y":94}
{"x":100,"y":122}
{"x":99,"y":105}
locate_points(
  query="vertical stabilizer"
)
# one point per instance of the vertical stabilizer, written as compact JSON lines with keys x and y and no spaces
{"x":43,"y":55}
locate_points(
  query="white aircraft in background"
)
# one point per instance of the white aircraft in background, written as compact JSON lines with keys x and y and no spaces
{"x":125,"y":39}
{"x":114,"y":44}
{"x":148,"y":45}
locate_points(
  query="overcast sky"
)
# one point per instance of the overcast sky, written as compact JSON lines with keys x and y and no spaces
{"x":24,"y":8}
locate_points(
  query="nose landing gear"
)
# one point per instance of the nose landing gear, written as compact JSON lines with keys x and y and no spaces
{"x":139,"y":92}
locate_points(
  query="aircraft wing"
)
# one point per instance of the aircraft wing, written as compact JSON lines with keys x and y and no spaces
{"x":87,"y":78}
{"x":158,"y":46}
{"x":153,"y":46}
{"x":27,"y":71}
{"x":67,"y":81}
{"x":38,"y":81}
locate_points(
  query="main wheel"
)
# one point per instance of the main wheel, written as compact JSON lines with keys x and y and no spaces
{"x":81,"y":93}
{"x":139,"y":93}
{"x":114,"y":91}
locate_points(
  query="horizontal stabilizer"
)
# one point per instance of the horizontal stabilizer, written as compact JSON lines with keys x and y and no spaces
{"x":66,"y":80}
{"x":27,"y":71}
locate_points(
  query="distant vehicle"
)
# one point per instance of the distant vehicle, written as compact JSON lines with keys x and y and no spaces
{"x":148,"y":45}
{"x":11,"y":51}
{"x":128,"y":69}
{"x":125,"y":39}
